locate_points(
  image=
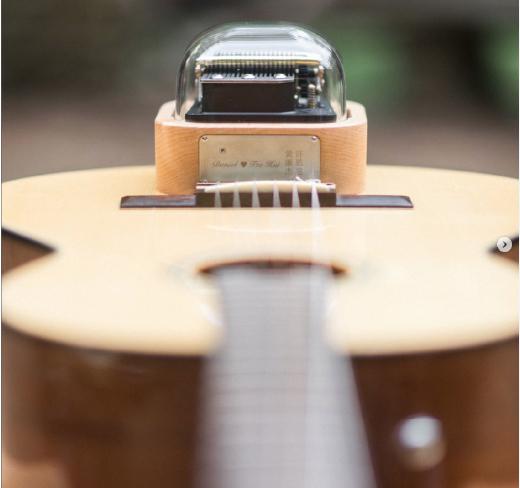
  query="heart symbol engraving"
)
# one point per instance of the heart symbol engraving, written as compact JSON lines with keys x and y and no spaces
{"x":243,"y":164}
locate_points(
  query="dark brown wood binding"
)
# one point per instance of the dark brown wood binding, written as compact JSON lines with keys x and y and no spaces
{"x":202,"y":199}
{"x":374,"y":201}
{"x":158,"y":201}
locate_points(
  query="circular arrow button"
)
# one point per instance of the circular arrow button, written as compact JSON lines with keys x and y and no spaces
{"x":504,"y":244}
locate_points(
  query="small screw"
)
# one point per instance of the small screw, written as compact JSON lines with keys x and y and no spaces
{"x":222,"y":150}
{"x":204,"y":138}
{"x":314,"y":138}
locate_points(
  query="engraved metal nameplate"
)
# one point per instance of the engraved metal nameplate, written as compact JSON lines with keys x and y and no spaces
{"x":258,"y":157}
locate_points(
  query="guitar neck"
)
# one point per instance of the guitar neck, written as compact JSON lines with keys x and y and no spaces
{"x":281,"y":406}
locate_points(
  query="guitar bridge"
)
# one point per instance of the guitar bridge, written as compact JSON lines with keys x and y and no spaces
{"x":266,"y":194}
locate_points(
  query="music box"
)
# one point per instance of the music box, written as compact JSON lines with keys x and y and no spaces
{"x":261,"y":103}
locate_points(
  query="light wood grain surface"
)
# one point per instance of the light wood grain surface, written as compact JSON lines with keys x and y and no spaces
{"x":417,"y":280}
{"x":343,"y":146}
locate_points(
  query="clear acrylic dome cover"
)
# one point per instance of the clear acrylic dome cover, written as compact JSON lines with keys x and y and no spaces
{"x":276,"y":61}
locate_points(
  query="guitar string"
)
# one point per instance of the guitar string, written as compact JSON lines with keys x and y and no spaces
{"x":340,"y":370}
{"x":257,"y":440}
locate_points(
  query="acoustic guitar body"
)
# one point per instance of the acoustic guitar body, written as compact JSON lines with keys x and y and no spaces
{"x":109,"y":318}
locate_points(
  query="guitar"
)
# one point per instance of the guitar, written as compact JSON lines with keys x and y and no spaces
{"x":112,"y":316}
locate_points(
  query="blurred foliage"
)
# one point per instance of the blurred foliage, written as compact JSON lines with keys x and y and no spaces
{"x":500,"y":61}
{"x":63,"y":43}
{"x":375,"y":60}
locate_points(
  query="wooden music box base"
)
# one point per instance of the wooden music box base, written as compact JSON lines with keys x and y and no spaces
{"x":343,"y":148}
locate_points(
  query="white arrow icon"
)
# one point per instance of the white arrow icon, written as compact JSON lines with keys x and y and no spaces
{"x":504,"y":244}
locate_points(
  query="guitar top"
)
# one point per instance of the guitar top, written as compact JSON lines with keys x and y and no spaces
{"x":411,"y":280}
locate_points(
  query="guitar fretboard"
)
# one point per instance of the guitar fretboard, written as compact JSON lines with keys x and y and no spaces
{"x":280,"y":406}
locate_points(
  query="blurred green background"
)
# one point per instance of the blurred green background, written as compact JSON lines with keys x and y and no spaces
{"x":83,"y":80}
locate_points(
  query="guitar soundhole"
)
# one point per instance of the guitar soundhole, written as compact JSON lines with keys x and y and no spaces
{"x":272,"y":265}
